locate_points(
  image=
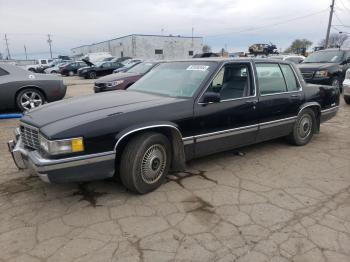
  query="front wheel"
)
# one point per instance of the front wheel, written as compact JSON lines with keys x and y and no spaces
{"x":92,"y":75}
{"x":304,"y":128}
{"x":347,"y":99}
{"x":145,"y":162}
{"x":29,"y":98}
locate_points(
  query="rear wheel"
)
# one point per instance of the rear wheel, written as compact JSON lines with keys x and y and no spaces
{"x":304,"y":128}
{"x":145,"y":162}
{"x":29,"y":98}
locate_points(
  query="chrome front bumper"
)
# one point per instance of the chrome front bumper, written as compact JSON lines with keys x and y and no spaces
{"x":71,"y":169}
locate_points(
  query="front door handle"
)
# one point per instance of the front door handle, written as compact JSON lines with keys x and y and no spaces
{"x":295,"y":95}
{"x":252,"y":102}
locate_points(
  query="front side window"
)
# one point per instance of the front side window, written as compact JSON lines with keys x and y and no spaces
{"x":232,"y":81}
{"x":3,"y":72}
{"x":175,"y":79}
{"x":43,"y":62}
{"x":270,"y":78}
{"x":289,"y":76}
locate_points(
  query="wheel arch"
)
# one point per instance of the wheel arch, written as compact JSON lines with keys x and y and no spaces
{"x":30,"y":87}
{"x":316,"y":107}
{"x":170,"y":130}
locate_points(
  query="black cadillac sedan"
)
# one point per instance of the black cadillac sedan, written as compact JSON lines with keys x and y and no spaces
{"x":178,"y":111}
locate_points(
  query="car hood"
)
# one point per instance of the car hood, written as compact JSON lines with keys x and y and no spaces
{"x":92,"y":107}
{"x":314,"y":66}
{"x":114,"y":77}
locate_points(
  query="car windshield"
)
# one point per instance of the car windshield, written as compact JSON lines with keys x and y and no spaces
{"x":175,"y":79}
{"x":141,"y":68}
{"x":333,"y":56}
{"x":99,"y":63}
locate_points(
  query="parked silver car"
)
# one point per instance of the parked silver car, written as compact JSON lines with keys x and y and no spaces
{"x":25,"y":90}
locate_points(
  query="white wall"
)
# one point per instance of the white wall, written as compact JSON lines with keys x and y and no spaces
{"x":139,"y":46}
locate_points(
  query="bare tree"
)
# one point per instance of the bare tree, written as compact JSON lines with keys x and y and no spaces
{"x":206,"y":49}
{"x":335,"y":40}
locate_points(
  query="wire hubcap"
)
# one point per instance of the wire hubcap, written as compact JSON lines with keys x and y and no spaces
{"x":305,"y":126}
{"x":153,"y":163}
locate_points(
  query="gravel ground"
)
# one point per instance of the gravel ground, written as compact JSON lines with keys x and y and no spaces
{"x":266,"y":202}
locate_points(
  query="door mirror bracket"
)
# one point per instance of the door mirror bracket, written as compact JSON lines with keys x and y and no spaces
{"x":211,"y":97}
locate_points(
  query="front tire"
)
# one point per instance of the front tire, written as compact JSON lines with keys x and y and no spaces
{"x":304,"y":128}
{"x":347,"y":99}
{"x":92,"y":75}
{"x":145,"y":162}
{"x":70,"y":73}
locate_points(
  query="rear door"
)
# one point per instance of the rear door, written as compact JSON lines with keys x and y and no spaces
{"x":280,"y":96}
{"x":233,"y":121}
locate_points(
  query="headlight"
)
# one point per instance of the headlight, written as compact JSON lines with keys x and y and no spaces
{"x":56,"y":147}
{"x":115,"y":83}
{"x":321,"y":73}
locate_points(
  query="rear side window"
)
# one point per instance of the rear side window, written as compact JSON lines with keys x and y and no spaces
{"x":291,"y":80}
{"x":3,"y":72}
{"x":270,"y":78}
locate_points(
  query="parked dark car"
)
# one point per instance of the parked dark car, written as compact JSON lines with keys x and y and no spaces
{"x":71,"y":69}
{"x":98,"y":69}
{"x":178,"y":111}
{"x":24,"y":90}
{"x":326,"y":67}
{"x":123,"y":80}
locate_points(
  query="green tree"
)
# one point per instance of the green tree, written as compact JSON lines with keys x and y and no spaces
{"x":297,"y":45}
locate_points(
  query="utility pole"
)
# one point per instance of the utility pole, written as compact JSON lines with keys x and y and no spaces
{"x":192,"y":36}
{"x":7,"y":47}
{"x":329,"y":24}
{"x":25,"y":51}
{"x":49,"y":41}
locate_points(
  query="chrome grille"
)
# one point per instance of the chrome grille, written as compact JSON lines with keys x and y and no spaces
{"x":30,"y":136}
{"x":307,"y":75}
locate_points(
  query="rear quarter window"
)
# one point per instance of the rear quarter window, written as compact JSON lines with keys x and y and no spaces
{"x":3,"y":72}
{"x":289,"y":76}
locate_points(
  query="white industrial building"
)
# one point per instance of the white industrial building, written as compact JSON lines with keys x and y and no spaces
{"x":146,"y":47}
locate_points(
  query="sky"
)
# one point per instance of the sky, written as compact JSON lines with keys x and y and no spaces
{"x":230,"y":24}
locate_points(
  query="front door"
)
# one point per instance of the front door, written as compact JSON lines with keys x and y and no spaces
{"x":280,"y":97}
{"x":232,"y":122}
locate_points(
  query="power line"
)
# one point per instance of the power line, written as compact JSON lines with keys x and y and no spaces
{"x":272,"y":24}
{"x":347,"y":9}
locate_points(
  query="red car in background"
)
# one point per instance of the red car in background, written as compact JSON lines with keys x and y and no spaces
{"x":120,"y":81}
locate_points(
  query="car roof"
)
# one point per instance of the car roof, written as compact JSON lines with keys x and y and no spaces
{"x":233,"y":59}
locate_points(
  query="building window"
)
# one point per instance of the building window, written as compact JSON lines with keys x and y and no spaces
{"x":190,"y":53}
{"x":158,"y":51}
{"x":121,"y":54}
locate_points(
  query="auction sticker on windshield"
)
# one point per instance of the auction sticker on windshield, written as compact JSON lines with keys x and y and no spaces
{"x":197,"y":67}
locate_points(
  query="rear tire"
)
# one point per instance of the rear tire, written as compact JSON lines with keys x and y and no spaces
{"x":347,"y":99}
{"x":304,"y":128}
{"x":145,"y":162}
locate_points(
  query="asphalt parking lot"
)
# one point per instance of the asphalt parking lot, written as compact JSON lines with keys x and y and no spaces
{"x":267,"y":202}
